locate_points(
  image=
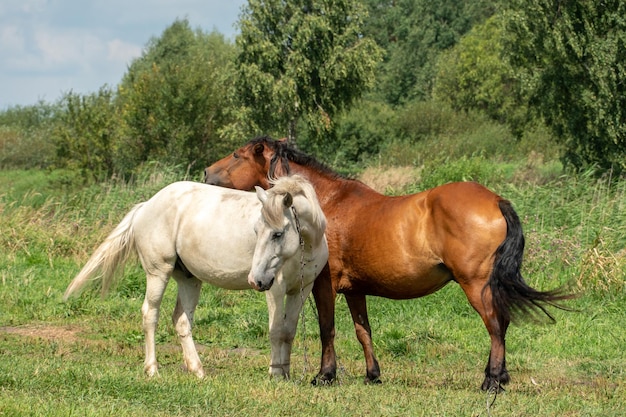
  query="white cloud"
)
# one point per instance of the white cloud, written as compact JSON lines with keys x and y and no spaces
{"x":33,"y":6}
{"x":11,"y":39}
{"x":122,"y":52}
{"x":67,"y":49}
{"x":48,"y":47}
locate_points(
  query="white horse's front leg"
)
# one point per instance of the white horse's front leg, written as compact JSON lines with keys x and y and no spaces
{"x":276,"y":310}
{"x":186,"y":303}
{"x":155,"y":287}
{"x":293,"y":307}
{"x":284,"y":310}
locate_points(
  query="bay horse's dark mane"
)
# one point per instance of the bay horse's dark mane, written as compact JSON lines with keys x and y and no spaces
{"x":285,"y":152}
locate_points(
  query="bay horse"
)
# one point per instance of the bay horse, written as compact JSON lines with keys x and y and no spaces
{"x":272,"y":241}
{"x":402,"y":247}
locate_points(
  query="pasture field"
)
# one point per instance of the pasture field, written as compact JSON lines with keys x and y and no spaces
{"x":84,"y":357}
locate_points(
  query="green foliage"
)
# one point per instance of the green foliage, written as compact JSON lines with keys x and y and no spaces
{"x":414,"y":33}
{"x":438,"y":131}
{"x":474,"y":168}
{"x":175,"y":98}
{"x":360,"y":134}
{"x":86,"y":132}
{"x":574,"y":56}
{"x":24,"y":136}
{"x":473,"y":76}
{"x":304,"y":59}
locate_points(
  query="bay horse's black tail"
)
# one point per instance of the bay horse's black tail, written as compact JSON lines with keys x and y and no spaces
{"x":511,"y":295}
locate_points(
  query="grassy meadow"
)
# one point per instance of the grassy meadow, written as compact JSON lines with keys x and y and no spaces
{"x":84,"y":357}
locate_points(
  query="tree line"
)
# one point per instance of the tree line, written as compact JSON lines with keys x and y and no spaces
{"x":344,"y":77}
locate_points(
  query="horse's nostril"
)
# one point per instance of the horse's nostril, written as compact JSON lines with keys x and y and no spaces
{"x":265,"y":286}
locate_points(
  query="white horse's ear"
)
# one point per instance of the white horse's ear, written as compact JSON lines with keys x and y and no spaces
{"x":287,"y":200}
{"x":261,"y":194}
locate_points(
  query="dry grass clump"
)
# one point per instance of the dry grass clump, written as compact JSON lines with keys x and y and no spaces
{"x":601,"y":269}
{"x":390,"y":180}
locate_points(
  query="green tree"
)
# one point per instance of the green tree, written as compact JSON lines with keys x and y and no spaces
{"x":174,"y":99}
{"x":85,"y":133}
{"x":413,"y":34}
{"x":473,"y":75}
{"x":573,"y":54}
{"x":302,"y":58}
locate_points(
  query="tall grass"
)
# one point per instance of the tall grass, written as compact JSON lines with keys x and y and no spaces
{"x":84,"y":357}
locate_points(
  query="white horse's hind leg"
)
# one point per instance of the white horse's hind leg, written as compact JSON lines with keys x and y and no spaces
{"x":155,"y":287}
{"x":186,"y":303}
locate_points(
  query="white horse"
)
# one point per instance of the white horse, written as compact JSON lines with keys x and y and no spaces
{"x":199,"y":233}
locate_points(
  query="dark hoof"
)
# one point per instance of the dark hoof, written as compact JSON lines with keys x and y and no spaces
{"x":322,"y":380}
{"x":495,"y":384}
{"x":373,"y":381}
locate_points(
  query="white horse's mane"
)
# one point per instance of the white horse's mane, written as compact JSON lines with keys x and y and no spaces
{"x":294,"y":185}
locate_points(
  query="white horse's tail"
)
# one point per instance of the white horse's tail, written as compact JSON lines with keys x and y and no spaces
{"x":110,"y":257}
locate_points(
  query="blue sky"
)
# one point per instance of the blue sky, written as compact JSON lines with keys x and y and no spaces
{"x":49,"y":47}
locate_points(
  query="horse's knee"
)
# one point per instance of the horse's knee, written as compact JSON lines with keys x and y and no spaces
{"x":182,"y":325}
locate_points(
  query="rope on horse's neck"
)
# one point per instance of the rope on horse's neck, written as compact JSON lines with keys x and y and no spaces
{"x":302,"y":263}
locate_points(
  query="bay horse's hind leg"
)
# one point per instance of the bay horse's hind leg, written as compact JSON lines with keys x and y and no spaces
{"x":186,"y":303}
{"x":496,"y":375}
{"x":358,"y":310}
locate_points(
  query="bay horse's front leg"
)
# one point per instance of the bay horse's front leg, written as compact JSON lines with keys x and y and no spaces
{"x":325,"y":296}
{"x":358,"y":310}
{"x":155,"y":287}
{"x":182,"y":318}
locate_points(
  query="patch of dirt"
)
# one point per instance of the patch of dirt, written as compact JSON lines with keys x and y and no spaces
{"x":67,"y":335}
{"x":393,"y":179}
{"x":44,"y":331}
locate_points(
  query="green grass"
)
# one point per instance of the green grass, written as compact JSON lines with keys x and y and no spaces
{"x":84,"y":357}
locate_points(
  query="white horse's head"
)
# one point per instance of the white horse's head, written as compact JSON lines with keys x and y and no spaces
{"x":290,"y":220}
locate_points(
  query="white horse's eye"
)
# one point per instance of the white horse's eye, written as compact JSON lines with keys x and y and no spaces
{"x":277,"y":235}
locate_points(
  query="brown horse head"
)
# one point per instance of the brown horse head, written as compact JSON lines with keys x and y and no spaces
{"x":253,"y":164}
{"x":258,"y":162}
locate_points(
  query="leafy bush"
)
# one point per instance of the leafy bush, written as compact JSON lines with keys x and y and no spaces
{"x":86,"y":136}
{"x":25,"y":136}
{"x":360,"y":134}
{"x":474,"y":168}
{"x":25,"y":148}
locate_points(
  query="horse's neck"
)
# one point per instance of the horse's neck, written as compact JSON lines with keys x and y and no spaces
{"x":332,"y":188}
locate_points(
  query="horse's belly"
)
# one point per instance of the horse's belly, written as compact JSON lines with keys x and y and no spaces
{"x":396,"y":285}
{"x":230,"y":275}
{"x":229,"y":281}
